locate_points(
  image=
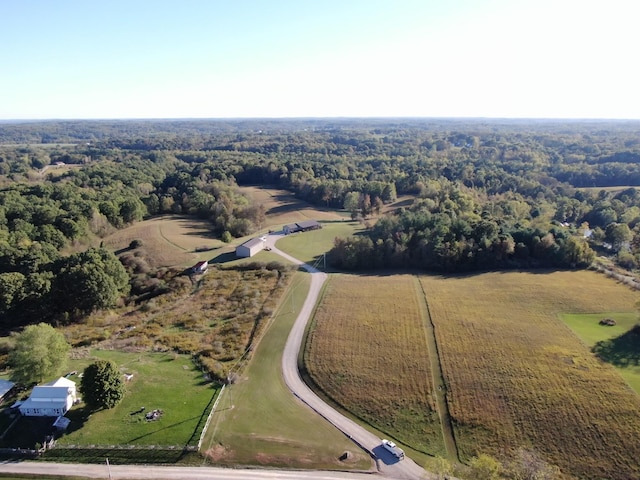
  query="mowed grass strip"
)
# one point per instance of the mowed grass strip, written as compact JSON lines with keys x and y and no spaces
{"x":282,"y":207}
{"x":310,"y":246}
{"x":517,"y":376}
{"x":259,"y":421}
{"x":367,"y":351}
{"x":617,"y":344}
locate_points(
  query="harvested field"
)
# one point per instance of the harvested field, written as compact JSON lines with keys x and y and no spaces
{"x":368,"y":351}
{"x":517,"y":376}
{"x":282,"y":207}
{"x":169,"y":240}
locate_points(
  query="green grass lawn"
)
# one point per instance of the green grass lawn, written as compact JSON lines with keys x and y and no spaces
{"x":614,"y":347}
{"x":259,"y":422}
{"x":308,"y":246}
{"x":168,"y":382}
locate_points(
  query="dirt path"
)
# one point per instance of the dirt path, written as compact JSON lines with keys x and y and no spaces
{"x":439,"y":384}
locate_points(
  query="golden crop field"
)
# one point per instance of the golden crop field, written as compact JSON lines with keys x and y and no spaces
{"x":368,"y":351}
{"x":517,"y":376}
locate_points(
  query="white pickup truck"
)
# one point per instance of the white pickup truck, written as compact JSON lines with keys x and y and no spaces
{"x":393,"y":448}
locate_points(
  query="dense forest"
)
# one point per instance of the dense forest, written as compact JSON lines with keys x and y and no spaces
{"x":477,"y":194}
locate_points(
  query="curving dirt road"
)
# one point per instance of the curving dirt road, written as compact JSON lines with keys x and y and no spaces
{"x":387,"y":464}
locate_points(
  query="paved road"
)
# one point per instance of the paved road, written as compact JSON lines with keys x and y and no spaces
{"x":147,"y":472}
{"x":387,"y":464}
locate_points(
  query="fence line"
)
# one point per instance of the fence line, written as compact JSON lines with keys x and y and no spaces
{"x":213,"y":409}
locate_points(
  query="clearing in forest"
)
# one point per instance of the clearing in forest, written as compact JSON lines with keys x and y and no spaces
{"x":282,"y":207}
{"x":170,"y":239}
{"x":368,"y":352}
{"x":517,"y":376}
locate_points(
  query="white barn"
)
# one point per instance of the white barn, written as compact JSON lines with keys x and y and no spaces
{"x":52,"y":399}
{"x":251,"y":247}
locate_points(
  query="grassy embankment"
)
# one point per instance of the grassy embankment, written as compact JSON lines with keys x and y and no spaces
{"x":518,"y":376}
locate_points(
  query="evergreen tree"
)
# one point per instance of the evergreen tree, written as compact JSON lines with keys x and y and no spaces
{"x":101,"y":385}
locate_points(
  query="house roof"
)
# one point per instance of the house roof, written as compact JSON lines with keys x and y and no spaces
{"x":308,"y":224}
{"x":253,"y":242}
{"x":48,"y":393}
{"x":43,"y":403}
{"x":5,"y":386}
{"x":61,"y":382}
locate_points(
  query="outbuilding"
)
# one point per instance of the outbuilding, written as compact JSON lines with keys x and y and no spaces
{"x":251,"y":247}
{"x":303,"y":226}
{"x":200,"y":267}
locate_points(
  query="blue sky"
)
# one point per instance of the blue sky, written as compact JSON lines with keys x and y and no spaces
{"x":235,"y":58}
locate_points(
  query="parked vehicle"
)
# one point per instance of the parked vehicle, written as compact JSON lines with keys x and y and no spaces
{"x":393,"y":448}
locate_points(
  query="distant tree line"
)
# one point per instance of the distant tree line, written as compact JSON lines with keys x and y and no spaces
{"x":486,"y":194}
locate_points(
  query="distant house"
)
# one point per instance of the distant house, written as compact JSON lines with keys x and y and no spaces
{"x":52,"y":399}
{"x":301,"y":226}
{"x":251,"y":247}
{"x":5,"y":387}
{"x":200,"y":267}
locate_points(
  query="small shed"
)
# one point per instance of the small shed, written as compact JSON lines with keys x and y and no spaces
{"x":200,"y":267}
{"x":251,"y":247}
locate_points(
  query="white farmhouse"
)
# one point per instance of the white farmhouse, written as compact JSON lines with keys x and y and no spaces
{"x":251,"y":247}
{"x":52,"y":399}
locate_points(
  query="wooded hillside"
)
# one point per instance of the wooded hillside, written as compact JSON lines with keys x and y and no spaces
{"x":487,"y":194}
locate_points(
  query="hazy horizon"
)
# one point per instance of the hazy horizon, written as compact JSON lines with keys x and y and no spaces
{"x":490,"y":59}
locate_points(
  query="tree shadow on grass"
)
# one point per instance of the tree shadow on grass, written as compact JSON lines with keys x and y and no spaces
{"x":135,"y":439}
{"x":78,"y":417}
{"x":622,"y":351}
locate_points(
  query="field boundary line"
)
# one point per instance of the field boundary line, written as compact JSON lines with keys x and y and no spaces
{"x":213,"y":409}
{"x":439,"y":381}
